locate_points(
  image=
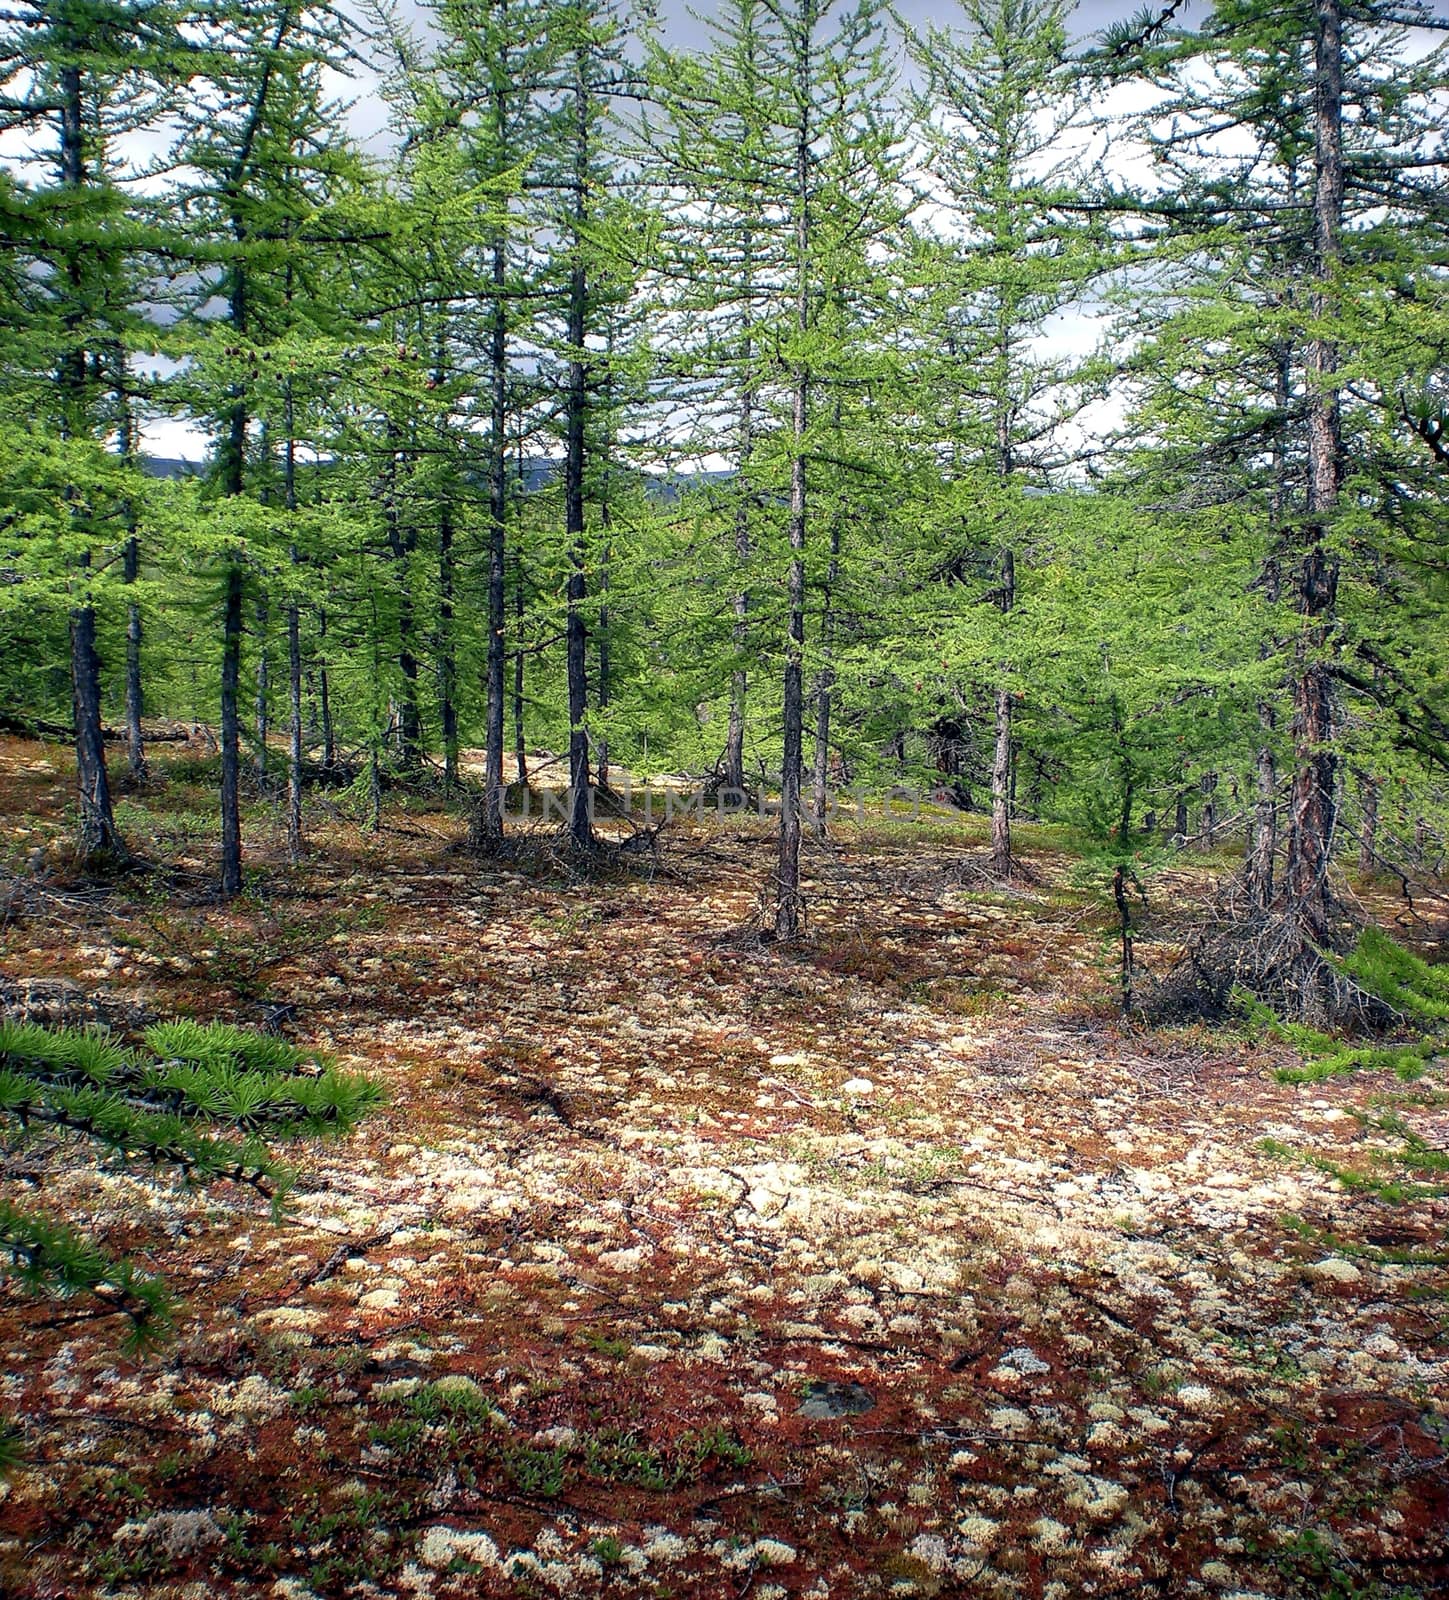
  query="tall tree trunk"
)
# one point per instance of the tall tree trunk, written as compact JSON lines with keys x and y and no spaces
{"x":233,"y":478}
{"x":602,"y":694}
{"x":231,"y":853}
{"x":733,"y":773}
{"x":447,"y":651}
{"x":1262,"y":846}
{"x":98,"y":832}
{"x":1000,"y":863}
{"x":489,"y":822}
{"x":580,"y":819}
{"x":824,"y":684}
{"x":135,"y":704}
{"x":264,"y":686}
{"x":1261,"y":863}
{"x":402,"y":540}
{"x":788,"y":900}
{"x":294,"y":652}
{"x":787,"y":906}
{"x":520,"y":748}
{"x":324,"y":697}
{"x":1311,"y":807}
{"x":734,"y":755}
{"x":131,"y":573}
{"x":294,"y":747}
{"x":99,"y":835}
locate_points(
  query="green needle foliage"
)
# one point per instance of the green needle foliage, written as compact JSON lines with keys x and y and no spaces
{"x":1401,"y":1166}
{"x":198,"y":1102}
{"x":1403,"y":990}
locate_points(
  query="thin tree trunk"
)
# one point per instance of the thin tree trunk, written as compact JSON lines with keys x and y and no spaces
{"x":98,"y":832}
{"x":520,"y":749}
{"x":1311,"y":806}
{"x":131,"y":573}
{"x":264,"y":684}
{"x":447,"y":651}
{"x":1263,"y":846}
{"x":1208,"y":827}
{"x":233,"y":476}
{"x":324,"y":699}
{"x":1000,"y":863}
{"x":580,"y":819}
{"x":787,"y":908}
{"x":99,"y":835}
{"x":403,"y":542}
{"x":1262,"y":851}
{"x":135,"y":704}
{"x":231,"y":852}
{"x":734,"y":755}
{"x":294,"y":656}
{"x":733,"y":773}
{"x":824,"y":684}
{"x":489,"y":822}
{"x":602,"y":696}
{"x":1368,"y":853}
{"x":788,"y":901}
{"x":294,"y":750}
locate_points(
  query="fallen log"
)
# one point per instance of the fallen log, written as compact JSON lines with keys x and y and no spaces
{"x":40,"y":728}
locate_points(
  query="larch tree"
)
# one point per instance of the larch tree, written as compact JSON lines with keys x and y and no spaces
{"x":495,"y":75}
{"x":250,"y":148}
{"x":1338,"y":113}
{"x":785,"y":158}
{"x":592,"y":226}
{"x":87,"y":85}
{"x":1009,"y":253}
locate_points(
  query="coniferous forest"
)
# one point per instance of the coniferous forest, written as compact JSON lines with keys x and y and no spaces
{"x":724,"y":776}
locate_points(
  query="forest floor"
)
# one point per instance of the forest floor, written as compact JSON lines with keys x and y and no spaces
{"x":680,"y":1264}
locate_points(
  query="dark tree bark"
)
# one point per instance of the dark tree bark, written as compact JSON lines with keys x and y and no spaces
{"x":606,"y":553}
{"x":489,"y":822}
{"x":264,"y":686}
{"x":324,"y":697}
{"x":294,"y":658}
{"x":1208,"y":825}
{"x":1261,"y":860}
{"x":520,"y":749}
{"x":131,"y":573}
{"x":824,"y":684}
{"x":98,"y":835}
{"x":447,"y":651}
{"x":576,"y":405}
{"x":402,"y":540}
{"x":1315,"y":580}
{"x":231,"y":849}
{"x":788,"y":904}
{"x":602,"y":695}
{"x":1000,"y":862}
{"x":135,"y":703}
{"x":733,"y":773}
{"x":233,"y":470}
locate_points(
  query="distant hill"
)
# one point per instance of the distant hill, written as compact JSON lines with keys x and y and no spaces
{"x":538,"y":473}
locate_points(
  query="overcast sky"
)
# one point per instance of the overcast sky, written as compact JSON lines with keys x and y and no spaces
{"x":369,"y":116}
{"x":1071,"y":332}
